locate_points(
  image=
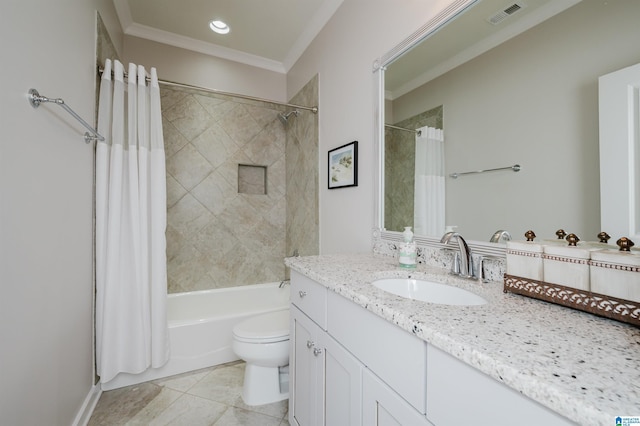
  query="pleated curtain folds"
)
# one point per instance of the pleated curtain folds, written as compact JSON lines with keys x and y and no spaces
{"x":131,"y":273}
{"x":429,"y":194}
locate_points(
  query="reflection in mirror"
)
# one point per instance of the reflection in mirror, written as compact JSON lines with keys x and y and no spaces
{"x":531,"y":100}
{"x":400,"y":174}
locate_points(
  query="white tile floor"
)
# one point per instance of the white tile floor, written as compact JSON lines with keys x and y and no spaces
{"x":204,"y":397}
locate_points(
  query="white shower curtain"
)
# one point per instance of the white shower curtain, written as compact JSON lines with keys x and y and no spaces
{"x":429,"y":195}
{"x":131,"y":277}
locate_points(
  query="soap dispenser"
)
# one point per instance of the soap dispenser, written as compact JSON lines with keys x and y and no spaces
{"x":407,"y":257}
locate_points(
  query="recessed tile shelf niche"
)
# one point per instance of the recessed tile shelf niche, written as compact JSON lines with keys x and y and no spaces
{"x":252,"y":179}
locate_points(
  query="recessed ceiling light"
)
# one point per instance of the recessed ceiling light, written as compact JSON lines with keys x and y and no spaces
{"x":219,"y":27}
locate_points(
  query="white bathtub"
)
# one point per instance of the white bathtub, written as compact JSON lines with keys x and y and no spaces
{"x":201,"y":324}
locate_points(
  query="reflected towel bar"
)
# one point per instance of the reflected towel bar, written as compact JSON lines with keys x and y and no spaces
{"x":417,"y":132}
{"x":515,"y":168}
{"x":35,"y":100}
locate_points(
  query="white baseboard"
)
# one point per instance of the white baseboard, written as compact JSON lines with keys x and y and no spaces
{"x":83,"y":416}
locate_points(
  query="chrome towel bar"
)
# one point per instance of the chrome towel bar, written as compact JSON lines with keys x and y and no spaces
{"x":35,"y":99}
{"x":417,"y":132}
{"x":515,"y":168}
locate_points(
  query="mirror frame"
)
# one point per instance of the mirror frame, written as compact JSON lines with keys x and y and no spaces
{"x":379,"y":66}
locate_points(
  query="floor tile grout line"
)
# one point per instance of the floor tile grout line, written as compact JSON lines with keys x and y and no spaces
{"x":181,"y":386}
{"x":210,"y":371}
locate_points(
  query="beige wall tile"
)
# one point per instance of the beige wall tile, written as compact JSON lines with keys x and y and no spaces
{"x":216,"y":236}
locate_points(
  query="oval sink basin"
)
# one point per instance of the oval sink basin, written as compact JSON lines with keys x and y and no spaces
{"x":428,"y":291}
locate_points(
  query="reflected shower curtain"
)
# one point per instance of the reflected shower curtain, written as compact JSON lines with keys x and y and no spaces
{"x":429,"y":196}
{"x":131,"y":277}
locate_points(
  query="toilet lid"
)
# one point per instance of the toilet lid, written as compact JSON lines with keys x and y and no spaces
{"x":265,"y":328}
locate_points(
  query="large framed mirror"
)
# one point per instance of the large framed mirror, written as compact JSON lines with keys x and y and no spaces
{"x":507,"y":83}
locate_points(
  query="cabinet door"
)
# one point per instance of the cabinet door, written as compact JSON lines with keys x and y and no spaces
{"x":458,"y":394}
{"x":306,"y":364}
{"x":343,"y":385}
{"x":395,"y":355}
{"x":381,"y":406}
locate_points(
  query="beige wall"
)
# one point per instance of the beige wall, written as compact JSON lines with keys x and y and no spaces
{"x":342,"y":55}
{"x":532,"y":101}
{"x":46,"y":177}
{"x":184,"y":66}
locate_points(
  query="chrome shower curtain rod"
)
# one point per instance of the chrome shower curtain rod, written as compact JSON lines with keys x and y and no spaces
{"x":313,"y":109}
{"x":417,"y":132}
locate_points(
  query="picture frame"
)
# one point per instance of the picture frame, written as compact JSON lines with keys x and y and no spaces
{"x":343,"y":166}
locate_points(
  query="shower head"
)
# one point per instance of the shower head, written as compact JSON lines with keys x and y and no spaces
{"x":284,"y":118}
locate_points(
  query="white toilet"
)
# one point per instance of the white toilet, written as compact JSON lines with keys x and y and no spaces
{"x":263,"y":343}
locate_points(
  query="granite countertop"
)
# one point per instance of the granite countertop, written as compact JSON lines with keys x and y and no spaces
{"x":582,"y":366}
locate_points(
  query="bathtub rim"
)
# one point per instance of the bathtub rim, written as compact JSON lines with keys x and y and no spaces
{"x":176,"y":323}
{"x":224,"y":289}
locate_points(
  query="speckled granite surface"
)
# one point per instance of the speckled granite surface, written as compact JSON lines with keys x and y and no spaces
{"x":582,"y":366}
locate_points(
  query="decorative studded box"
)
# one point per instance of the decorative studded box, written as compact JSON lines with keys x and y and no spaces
{"x":616,"y":273}
{"x":567,"y":266}
{"x":524,"y":259}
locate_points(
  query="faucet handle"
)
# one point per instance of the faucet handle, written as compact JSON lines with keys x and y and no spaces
{"x":478,"y":268}
{"x":478,"y":272}
{"x":455,"y":268}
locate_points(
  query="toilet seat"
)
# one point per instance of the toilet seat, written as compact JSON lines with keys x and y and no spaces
{"x":266,"y":328}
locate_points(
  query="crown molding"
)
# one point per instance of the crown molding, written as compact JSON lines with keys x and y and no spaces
{"x":322,"y":16}
{"x":188,"y":43}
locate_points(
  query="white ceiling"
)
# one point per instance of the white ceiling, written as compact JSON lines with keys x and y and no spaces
{"x":267,"y":34}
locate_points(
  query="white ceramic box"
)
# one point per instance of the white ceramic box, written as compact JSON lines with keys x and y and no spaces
{"x":616,"y":273}
{"x":567,"y":266}
{"x":524,"y":259}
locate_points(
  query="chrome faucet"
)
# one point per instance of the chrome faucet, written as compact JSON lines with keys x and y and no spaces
{"x":283,"y":283}
{"x":463,"y":262}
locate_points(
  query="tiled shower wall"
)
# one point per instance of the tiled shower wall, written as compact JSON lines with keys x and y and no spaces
{"x":217,"y":235}
{"x":302,"y":176}
{"x":400,"y":167}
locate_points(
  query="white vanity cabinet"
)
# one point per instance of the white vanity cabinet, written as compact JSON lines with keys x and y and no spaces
{"x":351,"y":367}
{"x":325,"y":379}
{"x":334,"y":345}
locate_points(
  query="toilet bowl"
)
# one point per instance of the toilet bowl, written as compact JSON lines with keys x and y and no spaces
{"x":263,"y":343}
